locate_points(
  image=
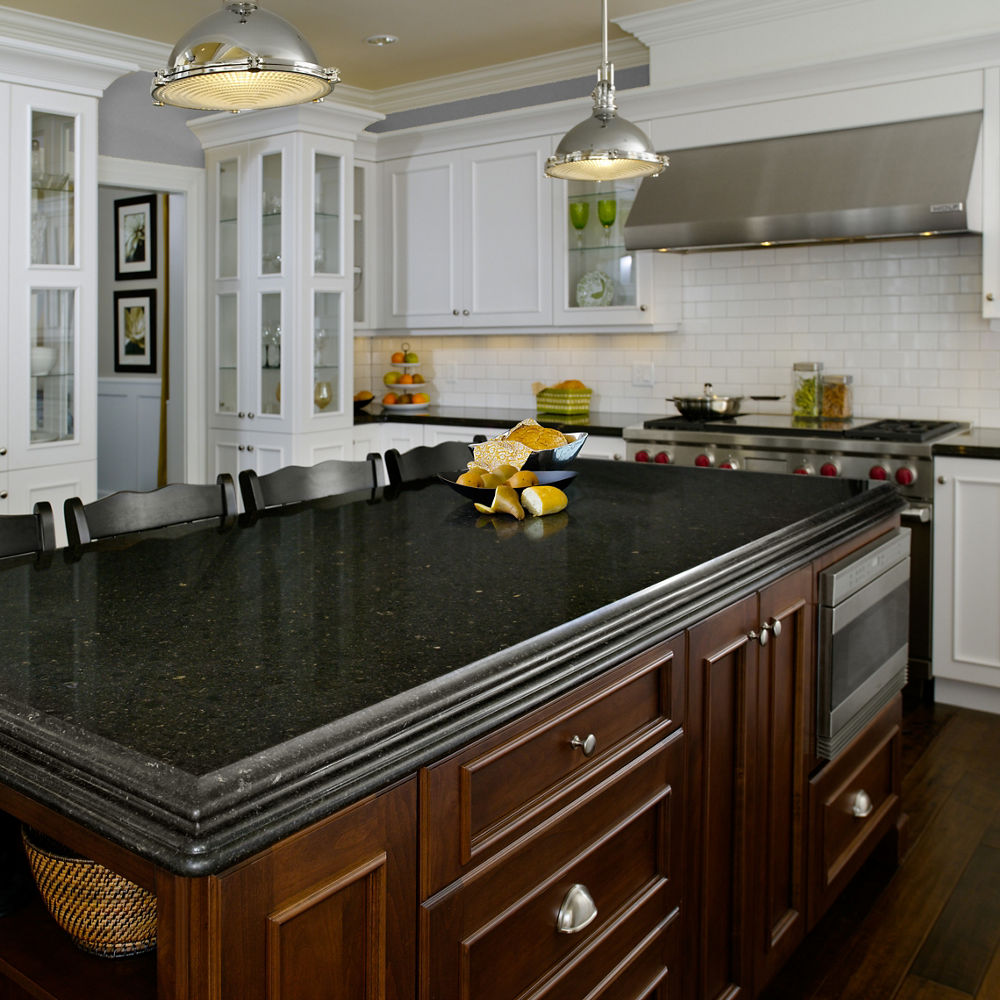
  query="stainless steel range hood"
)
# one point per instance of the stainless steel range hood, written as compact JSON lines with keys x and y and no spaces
{"x":881,"y":181}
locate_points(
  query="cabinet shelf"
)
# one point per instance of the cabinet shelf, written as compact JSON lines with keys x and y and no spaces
{"x":37,"y":955}
{"x":616,"y":249}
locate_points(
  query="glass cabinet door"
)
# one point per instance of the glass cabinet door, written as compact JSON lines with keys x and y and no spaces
{"x":270,"y":214}
{"x":227,"y":263}
{"x":227,"y":353}
{"x":327,"y":200}
{"x":269,"y":369}
{"x":53,"y":184}
{"x":359,"y":246}
{"x":600,"y":271}
{"x":326,"y":351}
{"x":53,"y":360}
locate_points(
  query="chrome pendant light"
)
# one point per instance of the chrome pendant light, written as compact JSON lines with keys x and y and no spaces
{"x":241,"y":58}
{"x":604,"y":147}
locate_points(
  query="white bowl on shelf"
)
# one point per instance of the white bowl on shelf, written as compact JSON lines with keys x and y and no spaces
{"x":43,"y":359}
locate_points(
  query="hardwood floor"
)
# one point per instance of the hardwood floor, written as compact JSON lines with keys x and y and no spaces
{"x":928,"y":929}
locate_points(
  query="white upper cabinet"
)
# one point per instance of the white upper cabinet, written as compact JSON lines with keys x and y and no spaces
{"x":991,"y":193}
{"x":466,"y":238}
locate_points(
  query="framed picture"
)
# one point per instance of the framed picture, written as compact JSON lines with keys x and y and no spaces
{"x":135,"y":237}
{"x":135,"y":332}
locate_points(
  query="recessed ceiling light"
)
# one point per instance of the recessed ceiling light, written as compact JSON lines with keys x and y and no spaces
{"x":381,"y":39}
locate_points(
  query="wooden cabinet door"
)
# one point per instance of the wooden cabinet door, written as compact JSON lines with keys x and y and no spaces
{"x":723,"y":662}
{"x":785,"y":733}
{"x":326,"y":914}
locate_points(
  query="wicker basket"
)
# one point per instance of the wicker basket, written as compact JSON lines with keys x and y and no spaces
{"x":102,"y":912}
{"x":563,"y":401}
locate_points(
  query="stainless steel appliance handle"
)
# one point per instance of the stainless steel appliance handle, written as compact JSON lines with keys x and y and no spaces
{"x":917,"y":512}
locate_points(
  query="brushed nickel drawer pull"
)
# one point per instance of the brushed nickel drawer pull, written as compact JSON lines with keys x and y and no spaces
{"x":577,"y":911}
{"x":588,"y":745}
{"x":863,"y":805}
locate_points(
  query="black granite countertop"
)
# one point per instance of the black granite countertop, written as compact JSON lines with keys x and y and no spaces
{"x":605,"y":424}
{"x":979,"y":442}
{"x":196,"y":696}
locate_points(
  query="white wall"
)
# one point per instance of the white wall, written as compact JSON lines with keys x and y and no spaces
{"x":903,"y":317}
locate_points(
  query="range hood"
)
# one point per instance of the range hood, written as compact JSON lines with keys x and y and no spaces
{"x":881,"y":181}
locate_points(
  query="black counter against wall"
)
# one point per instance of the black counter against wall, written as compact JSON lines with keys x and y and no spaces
{"x":196,"y":697}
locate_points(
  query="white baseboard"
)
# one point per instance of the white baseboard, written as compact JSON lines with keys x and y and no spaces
{"x":965,"y":695}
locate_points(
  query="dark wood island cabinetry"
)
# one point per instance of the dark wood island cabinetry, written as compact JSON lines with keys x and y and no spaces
{"x":577,"y":771}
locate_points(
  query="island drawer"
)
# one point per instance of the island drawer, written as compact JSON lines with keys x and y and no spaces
{"x":494,"y":935}
{"x":489,"y":794}
{"x":853,"y":803}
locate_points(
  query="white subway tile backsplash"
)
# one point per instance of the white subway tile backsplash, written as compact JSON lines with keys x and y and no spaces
{"x":903,"y":317}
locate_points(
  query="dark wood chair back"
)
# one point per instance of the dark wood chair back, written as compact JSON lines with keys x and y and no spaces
{"x":127,"y":513}
{"x":424,"y":461}
{"x":299,"y":483}
{"x":32,"y":535}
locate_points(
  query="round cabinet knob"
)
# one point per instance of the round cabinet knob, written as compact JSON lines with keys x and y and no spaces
{"x":241,"y":414}
{"x":588,"y":744}
{"x":249,"y":447}
{"x":906,"y":475}
{"x":662,"y":458}
{"x":941,"y":480}
{"x":703,"y":461}
{"x":577,"y":910}
{"x":642,"y":456}
{"x":3,"y":451}
{"x":829,"y":469}
{"x":465,"y":312}
{"x":240,"y":447}
{"x":862,"y":805}
{"x":989,"y":296}
{"x":642,"y":309}
{"x":251,"y":415}
{"x":3,"y":494}
{"x":454,"y":312}
{"x":879,"y":472}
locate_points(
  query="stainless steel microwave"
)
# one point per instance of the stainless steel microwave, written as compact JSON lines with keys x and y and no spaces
{"x":864,"y":624}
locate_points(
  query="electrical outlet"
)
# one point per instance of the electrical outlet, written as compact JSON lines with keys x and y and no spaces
{"x":642,"y":375}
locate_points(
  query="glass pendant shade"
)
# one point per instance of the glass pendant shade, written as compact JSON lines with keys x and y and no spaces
{"x":240,"y":58}
{"x":604,"y":147}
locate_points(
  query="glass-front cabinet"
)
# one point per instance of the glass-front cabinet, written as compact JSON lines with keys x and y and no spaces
{"x":280,"y":349}
{"x":598,"y":281}
{"x":48,"y":339}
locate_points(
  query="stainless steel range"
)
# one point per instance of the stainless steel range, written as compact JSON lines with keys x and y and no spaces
{"x":894,"y":451}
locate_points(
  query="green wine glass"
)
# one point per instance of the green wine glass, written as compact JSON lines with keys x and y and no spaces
{"x":607,"y":210}
{"x":579,"y":214}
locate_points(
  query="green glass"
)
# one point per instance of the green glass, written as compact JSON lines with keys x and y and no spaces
{"x":579,"y":213}
{"x":607,"y":209}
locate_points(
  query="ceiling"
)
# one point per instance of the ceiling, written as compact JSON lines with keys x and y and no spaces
{"x":436,"y":37}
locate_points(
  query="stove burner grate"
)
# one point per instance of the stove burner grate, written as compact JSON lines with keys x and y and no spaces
{"x":904,"y":430}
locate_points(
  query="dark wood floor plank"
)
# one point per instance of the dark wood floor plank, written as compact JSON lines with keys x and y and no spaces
{"x":915,"y":988}
{"x":963,"y":940}
{"x":989,"y":989}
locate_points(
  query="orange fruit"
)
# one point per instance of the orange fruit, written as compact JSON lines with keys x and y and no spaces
{"x":405,"y":380}
{"x":397,"y":358}
{"x":418,"y":379}
{"x":421,"y":397}
{"x":389,"y":398}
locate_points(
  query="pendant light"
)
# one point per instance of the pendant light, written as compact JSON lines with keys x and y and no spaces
{"x":241,"y":58}
{"x":604,"y":147}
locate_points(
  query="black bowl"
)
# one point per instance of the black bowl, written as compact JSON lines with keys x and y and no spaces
{"x":484,"y":494}
{"x":360,"y":404}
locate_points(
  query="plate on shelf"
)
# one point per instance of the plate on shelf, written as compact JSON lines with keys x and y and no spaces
{"x":405,"y":406}
{"x":484,"y":494}
{"x":595,"y":288}
{"x":405,"y":364}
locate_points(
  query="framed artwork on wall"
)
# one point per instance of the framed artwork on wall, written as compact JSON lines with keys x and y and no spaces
{"x":135,"y":332}
{"x":135,"y":237}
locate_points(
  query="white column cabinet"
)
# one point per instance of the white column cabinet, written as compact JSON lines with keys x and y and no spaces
{"x":48,"y":277}
{"x":991,"y":193}
{"x":967,"y":571}
{"x":466,"y":238}
{"x":281,"y":258}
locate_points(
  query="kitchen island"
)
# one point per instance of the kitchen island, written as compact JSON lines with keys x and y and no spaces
{"x":183,"y":705}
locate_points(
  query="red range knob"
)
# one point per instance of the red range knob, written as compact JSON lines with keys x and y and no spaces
{"x":730,"y":463}
{"x":906,"y":476}
{"x":879,"y":472}
{"x":642,"y":456}
{"x":829,"y":469}
{"x":803,"y":470}
{"x":702,"y":461}
{"x":662,"y":458}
